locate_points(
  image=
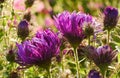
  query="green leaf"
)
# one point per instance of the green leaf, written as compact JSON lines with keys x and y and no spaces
{"x":116,"y":38}
{"x":1,"y":33}
{"x":82,"y":71}
{"x":118,"y":55}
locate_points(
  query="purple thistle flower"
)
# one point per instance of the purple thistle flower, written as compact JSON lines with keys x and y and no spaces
{"x":71,"y":26}
{"x":40,"y":50}
{"x":111,"y":18}
{"x":94,"y":74}
{"x":102,"y":56}
{"x":23,"y":29}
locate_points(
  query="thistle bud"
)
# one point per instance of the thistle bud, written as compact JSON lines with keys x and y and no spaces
{"x":23,"y":29}
{"x":104,"y":40}
{"x":29,"y":3}
{"x":14,"y":74}
{"x":94,"y":74}
{"x":111,"y":18}
{"x":52,"y":13}
{"x":81,"y":53}
{"x":52,"y":2}
{"x":10,"y":56}
{"x":27,"y":16}
{"x":1,"y":1}
{"x":89,"y":31}
{"x":58,"y":58}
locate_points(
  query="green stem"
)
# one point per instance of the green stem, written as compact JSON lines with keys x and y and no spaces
{"x":103,"y":71}
{"x":77,"y":62}
{"x":49,"y":73}
{"x":104,"y":74}
{"x":89,"y":40}
{"x":62,"y":63}
{"x":23,"y":73}
{"x":108,"y":36}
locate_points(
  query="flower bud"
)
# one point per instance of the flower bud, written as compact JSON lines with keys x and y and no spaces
{"x":11,"y":56}
{"x":89,"y":31}
{"x":104,"y":40}
{"x":1,"y":1}
{"x":58,"y":58}
{"x":14,"y":74}
{"x":94,"y":74}
{"x":27,"y":16}
{"x":52,"y":2}
{"x":23,"y":29}
{"x":111,"y":18}
{"x":29,"y":3}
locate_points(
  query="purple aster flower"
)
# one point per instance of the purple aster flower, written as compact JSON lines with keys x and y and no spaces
{"x":71,"y":26}
{"x":111,"y":18}
{"x":40,"y":50}
{"x":94,"y":74}
{"x":23,"y":29}
{"x":102,"y":56}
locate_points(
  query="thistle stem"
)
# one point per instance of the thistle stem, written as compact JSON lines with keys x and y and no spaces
{"x":108,"y":32}
{"x":49,"y":73}
{"x":89,"y":40}
{"x":77,"y":62}
{"x":62,"y":63}
{"x":104,"y":74}
{"x":23,"y":73}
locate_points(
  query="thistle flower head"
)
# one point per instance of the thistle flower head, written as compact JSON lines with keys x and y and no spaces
{"x":94,"y":74}
{"x":102,"y":56}
{"x":71,"y":26}
{"x":40,"y":50}
{"x":23,"y":29}
{"x":106,"y":55}
{"x":111,"y":18}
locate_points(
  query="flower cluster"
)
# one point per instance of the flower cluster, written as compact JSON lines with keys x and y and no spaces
{"x":74,"y":28}
{"x":40,"y":50}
